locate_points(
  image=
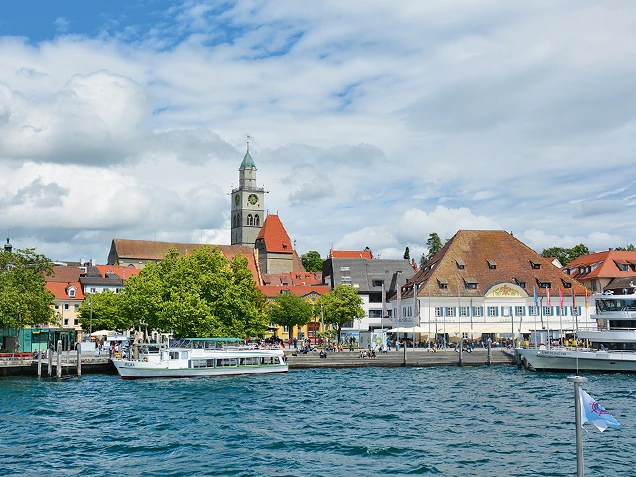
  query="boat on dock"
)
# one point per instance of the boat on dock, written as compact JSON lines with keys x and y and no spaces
{"x":609,"y":346}
{"x":194,"y":357}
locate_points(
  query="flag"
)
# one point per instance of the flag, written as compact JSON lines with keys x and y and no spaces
{"x":595,"y":413}
{"x":536,"y":298}
{"x":574,"y":310}
{"x":416,"y":307}
{"x":561,"y":297}
{"x":586,"y":298}
{"x":399,"y":305}
{"x":547,"y":291}
{"x":383,"y":300}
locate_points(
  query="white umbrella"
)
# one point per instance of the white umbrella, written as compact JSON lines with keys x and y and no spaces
{"x":102,"y":333}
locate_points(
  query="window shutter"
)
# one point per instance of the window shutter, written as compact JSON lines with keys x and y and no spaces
{"x":496,"y":311}
{"x":481,"y":310}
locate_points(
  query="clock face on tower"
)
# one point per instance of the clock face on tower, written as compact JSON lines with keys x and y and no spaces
{"x":252,"y":199}
{"x":237,"y":199}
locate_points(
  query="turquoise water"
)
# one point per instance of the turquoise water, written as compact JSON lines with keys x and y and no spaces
{"x":353,"y":422}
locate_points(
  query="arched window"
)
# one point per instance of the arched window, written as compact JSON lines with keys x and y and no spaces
{"x":257,"y":220}
{"x":250,"y":220}
{"x":237,"y":221}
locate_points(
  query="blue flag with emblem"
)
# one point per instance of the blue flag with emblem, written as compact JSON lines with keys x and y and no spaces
{"x":596,"y":414}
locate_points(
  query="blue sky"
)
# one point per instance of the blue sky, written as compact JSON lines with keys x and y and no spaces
{"x":374,"y":123}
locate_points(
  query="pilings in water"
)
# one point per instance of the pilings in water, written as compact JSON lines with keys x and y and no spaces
{"x":50,"y":363}
{"x":489,"y":361}
{"x":59,"y":360}
{"x":39,"y":363}
{"x":461,"y":350}
{"x":79,"y":360}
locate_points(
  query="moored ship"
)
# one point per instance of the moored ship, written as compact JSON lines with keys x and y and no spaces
{"x":194,"y":357}
{"x":609,"y":346}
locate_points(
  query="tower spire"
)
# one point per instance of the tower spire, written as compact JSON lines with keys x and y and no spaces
{"x":7,"y":246}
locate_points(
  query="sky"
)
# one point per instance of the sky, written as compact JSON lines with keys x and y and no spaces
{"x":372,"y":123}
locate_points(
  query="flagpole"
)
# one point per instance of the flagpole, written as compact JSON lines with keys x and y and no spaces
{"x":429,"y":315}
{"x":578,"y":380}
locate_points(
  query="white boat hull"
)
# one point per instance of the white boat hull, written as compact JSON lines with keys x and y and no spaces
{"x":141,"y":369}
{"x":571,"y":360}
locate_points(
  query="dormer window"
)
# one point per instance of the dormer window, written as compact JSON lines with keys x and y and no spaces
{"x":535,"y":265}
{"x":566,"y":284}
{"x":460,"y":263}
{"x":71,"y":292}
{"x":520,"y":283}
{"x":543,"y":284}
{"x":443,"y":283}
{"x":492,"y":265}
{"x":470,"y":283}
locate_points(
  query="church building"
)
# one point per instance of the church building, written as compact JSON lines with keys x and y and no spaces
{"x":247,"y":205}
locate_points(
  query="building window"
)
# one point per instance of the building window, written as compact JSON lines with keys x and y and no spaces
{"x":57,"y":306}
{"x":471,"y":286}
{"x":492,"y":311}
{"x":285,"y":329}
{"x":519,"y":310}
{"x":463,"y":311}
{"x":520,"y":283}
{"x":71,"y":292}
{"x":532,"y":310}
{"x":75,"y":322}
{"x":66,"y":306}
{"x":492,"y":265}
{"x":547,"y":311}
{"x":460,"y":263}
{"x":65,"y":321}
{"x":345,"y":279}
{"x":377,"y":283}
{"x":375,"y":313}
{"x":250,"y":219}
{"x":477,"y":311}
{"x":593,"y":285}
{"x":344,"y":269}
{"x":76,"y":306}
{"x":93,"y":290}
{"x":438,"y":311}
{"x":257,"y":220}
{"x":450,"y":311}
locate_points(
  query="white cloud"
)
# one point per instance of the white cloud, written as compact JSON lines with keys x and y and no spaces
{"x":61,"y":24}
{"x":372,"y":126}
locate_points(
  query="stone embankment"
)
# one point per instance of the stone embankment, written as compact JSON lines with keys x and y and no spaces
{"x":419,"y":357}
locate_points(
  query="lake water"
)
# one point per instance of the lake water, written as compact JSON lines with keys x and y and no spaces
{"x":354,"y":422}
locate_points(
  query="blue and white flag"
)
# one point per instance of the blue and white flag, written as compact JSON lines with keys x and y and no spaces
{"x":595,"y":413}
{"x":536,"y":298}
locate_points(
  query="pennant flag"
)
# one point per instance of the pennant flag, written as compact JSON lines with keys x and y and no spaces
{"x":561,"y":297}
{"x":399,"y":304}
{"x":574,"y":310}
{"x":416,"y":308}
{"x":383,"y":300}
{"x":536,"y":298}
{"x":586,"y":304}
{"x":595,"y":413}
{"x":547,"y":291}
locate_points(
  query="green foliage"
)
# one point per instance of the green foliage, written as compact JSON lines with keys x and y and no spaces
{"x":290,"y":310}
{"x":24,"y":299}
{"x":312,"y":261}
{"x":105,"y":309}
{"x":566,"y":255}
{"x":434,"y":244}
{"x":629,"y":248}
{"x":407,"y":254}
{"x":200,"y":295}
{"x":341,"y":305}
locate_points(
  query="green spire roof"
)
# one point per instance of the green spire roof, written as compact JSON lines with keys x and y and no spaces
{"x":247,"y":160}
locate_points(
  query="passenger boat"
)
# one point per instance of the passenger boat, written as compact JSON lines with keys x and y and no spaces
{"x":609,"y":346}
{"x":193,"y":357}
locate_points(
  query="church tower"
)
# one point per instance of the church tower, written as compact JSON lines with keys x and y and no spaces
{"x":248,"y":205}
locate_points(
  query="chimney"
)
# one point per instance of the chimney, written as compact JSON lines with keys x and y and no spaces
{"x":413,"y":264}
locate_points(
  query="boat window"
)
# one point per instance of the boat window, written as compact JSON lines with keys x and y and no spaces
{"x":199,"y":363}
{"x":225,"y":362}
{"x":184,"y":355}
{"x":174,"y":355}
{"x":252,"y":361}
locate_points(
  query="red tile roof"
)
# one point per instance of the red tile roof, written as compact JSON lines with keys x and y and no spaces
{"x":473,"y":249}
{"x":352,"y":254}
{"x":606,"y":264}
{"x":64,"y":274}
{"x":60,"y":290}
{"x":151,"y":250}
{"x":275,"y":236}
{"x":122,"y":272}
{"x":272,"y":291}
{"x":292,"y":278}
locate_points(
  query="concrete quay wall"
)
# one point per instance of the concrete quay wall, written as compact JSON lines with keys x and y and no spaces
{"x":393,"y":359}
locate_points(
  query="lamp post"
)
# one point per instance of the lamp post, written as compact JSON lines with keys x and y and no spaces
{"x":90,"y":325}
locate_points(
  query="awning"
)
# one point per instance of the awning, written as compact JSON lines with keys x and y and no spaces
{"x":102,"y":333}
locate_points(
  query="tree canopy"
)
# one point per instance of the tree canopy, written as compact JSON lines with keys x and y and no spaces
{"x":103,"y":311}
{"x":341,"y":305}
{"x":434,"y":244}
{"x":311,"y":261}
{"x":290,"y":310}
{"x":565,"y":255}
{"x":407,"y":254}
{"x":199,"y":295}
{"x":24,"y":299}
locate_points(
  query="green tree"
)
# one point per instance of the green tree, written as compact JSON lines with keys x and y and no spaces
{"x":290,"y":310}
{"x":199,"y":295}
{"x":562,"y":254}
{"x":103,"y":311}
{"x":629,"y":248}
{"x":434,"y":244}
{"x":578,"y":251}
{"x":341,"y":305}
{"x":312,"y":261}
{"x":24,"y":299}
{"x":407,"y":254}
